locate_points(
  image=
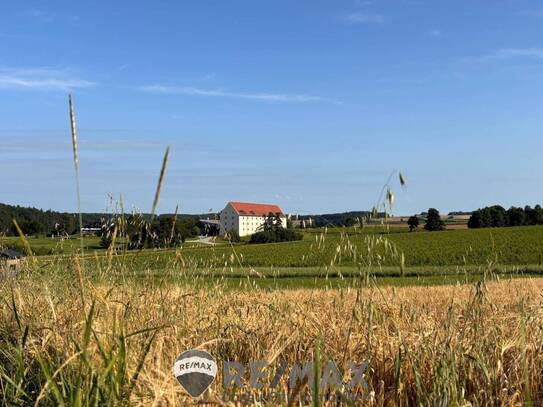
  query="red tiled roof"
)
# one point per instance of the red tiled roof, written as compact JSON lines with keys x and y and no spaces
{"x":254,"y":209}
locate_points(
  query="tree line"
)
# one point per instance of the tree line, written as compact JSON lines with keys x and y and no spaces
{"x":497,"y":216}
{"x":136,"y":229}
{"x":272,"y":231}
{"x":34,"y":221}
{"x":336,"y":219}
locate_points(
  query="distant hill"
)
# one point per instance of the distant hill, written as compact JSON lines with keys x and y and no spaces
{"x":43,"y":221}
{"x":38,"y":221}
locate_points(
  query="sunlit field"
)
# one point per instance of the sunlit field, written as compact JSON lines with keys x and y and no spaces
{"x":105,"y":327}
{"x":336,"y":246}
{"x":74,"y":341}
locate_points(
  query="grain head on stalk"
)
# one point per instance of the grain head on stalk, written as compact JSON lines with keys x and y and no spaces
{"x":76,"y":167}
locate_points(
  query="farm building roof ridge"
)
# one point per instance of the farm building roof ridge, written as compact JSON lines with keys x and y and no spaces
{"x":255,"y":209}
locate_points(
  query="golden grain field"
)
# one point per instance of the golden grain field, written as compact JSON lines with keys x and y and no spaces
{"x":70,"y":341}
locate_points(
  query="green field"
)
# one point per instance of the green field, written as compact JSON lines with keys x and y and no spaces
{"x":46,"y":246}
{"x":516,"y":245}
{"x":42,"y":245}
{"x":519,"y":245}
{"x":325,"y":257}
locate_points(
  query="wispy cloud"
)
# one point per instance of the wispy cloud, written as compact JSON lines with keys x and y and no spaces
{"x":21,"y":142}
{"x":267,"y":97}
{"x":40,"y":79}
{"x":513,"y":53}
{"x":363,"y":18}
{"x":18,"y":36}
{"x":48,"y":17}
{"x":40,"y":15}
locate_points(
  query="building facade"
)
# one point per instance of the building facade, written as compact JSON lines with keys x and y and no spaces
{"x":247,"y":218}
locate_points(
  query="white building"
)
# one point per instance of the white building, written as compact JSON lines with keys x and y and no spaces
{"x":247,"y":218}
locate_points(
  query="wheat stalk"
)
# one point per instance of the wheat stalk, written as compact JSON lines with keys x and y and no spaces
{"x":160,"y":181}
{"x":76,"y":167}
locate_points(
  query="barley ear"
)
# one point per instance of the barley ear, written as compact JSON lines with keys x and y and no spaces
{"x":160,"y":181}
{"x":76,"y":167}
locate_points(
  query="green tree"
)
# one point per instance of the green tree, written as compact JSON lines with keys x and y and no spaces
{"x":274,"y":236}
{"x":433,"y":221}
{"x":350,"y":221}
{"x":413,"y":223}
{"x":271,"y":223}
{"x":272,"y":231}
{"x":486,"y":218}
{"x":475,"y":220}
{"x":515,"y":216}
{"x":497,"y":216}
{"x":29,"y":227}
{"x":538,"y":215}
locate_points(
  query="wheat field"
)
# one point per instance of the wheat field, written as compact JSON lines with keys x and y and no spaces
{"x":76,"y":341}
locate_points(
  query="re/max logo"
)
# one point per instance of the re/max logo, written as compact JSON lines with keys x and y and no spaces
{"x":257,"y":371}
{"x":195,"y":365}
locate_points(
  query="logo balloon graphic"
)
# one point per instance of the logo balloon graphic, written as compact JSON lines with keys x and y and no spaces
{"x":195,"y":370}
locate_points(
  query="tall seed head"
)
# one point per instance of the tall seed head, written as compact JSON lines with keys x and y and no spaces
{"x":160,"y":180}
{"x":390,"y":198}
{"x":402,"y":179}
{"x":74,"y":131}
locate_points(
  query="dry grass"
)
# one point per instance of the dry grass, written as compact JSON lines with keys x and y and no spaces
{"x":448,"y":345}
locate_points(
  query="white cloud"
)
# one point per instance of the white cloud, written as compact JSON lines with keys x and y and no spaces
{"x":363,"y":18}
{"x":268,"y":97}
{"x":40,"y":79}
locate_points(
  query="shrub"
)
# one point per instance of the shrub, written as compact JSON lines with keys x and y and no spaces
{"x":433,"y":221}
{"x":413,"y":223}
{"x":276,"y":235}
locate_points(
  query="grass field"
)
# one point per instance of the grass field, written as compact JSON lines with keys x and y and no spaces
{"x":42,"y":245}
{"x":457,"y":247}
{"x":325,"y":257}
{"x":515,"y":245}
{"x":47,"y":246}
{"x":442,"y":318}
{"x":339,"y":247}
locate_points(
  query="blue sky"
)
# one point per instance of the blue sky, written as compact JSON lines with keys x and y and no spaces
{"x":308,"y":104}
